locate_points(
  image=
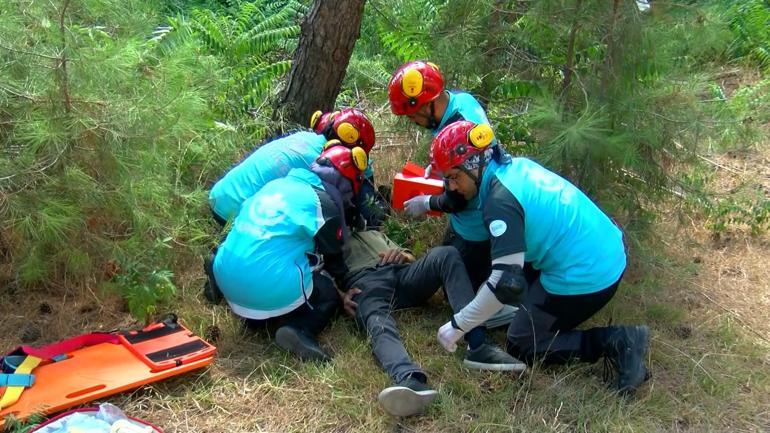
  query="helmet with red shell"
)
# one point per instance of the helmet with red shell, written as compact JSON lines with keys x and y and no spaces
{"x":350,"y":125}
{"x":413,"y":85}
{"x":457,"y":142}
{"x":350,"y":163}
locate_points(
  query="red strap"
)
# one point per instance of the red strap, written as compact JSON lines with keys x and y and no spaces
{"x":70,"y":345}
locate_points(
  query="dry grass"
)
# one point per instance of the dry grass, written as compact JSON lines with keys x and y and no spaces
{"x":705,"y":300}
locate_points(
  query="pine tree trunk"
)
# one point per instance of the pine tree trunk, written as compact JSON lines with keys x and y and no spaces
{"x":609,"y":58}
{"x":329,"y":33}
{"x":568,"y":65}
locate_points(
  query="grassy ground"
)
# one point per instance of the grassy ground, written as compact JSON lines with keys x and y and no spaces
{"x":705,"y":298}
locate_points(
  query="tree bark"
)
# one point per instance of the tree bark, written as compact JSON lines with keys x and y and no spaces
{"x":329,"y":33}
{"x":609,"y":58}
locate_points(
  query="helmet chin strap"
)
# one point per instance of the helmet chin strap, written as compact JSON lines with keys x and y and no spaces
{"x":432,"y":123}
{"x":476,"y":177}
{"x":329,"y":132}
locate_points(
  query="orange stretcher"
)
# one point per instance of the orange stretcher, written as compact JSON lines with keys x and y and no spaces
{"x":411,"y":182}
{"x":93,"y":366}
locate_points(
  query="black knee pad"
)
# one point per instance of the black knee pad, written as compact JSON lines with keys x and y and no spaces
{"x":512,"y":285}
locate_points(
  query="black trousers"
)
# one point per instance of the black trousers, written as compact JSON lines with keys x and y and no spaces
{"x":392,"y":287}
{"x":312,"y":316}
{"x":316,"y":313}
{"x":476,"y":256}
{"x":544,"y":327}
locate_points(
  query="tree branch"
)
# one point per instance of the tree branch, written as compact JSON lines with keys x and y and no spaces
{"x":17,"y":93}
{"x":28,"y":53}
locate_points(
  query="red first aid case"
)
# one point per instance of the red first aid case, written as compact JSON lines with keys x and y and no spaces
{"x":411,"y":183}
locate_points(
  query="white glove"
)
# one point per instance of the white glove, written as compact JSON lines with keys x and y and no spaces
{"x":417,"y":206}
{"x":448,"y":336}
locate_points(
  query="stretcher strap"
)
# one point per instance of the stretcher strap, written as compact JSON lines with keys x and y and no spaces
{"x":52,"y":351}
{"x":15,"y":379}
{"x":12,"y":393}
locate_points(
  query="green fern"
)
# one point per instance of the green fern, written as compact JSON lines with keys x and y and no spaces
{"x":278,"y":18}
{"x":168,"y":38}
{"x":258,"y":44}
{"x":259,"y":80}
{"x":250,"y":36}
{"x":404,"y":27}
{"x":403,"y":45}
{"x":750,"y":22}
{"x":211,"y":28}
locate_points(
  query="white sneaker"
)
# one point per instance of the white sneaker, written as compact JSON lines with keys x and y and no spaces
{"x":406,"y":398}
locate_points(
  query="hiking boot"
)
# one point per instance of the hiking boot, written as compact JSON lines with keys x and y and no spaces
{"x":301,"y":344}
{"x":504,"y":317}
{"x":407,"y":397}
{"x":210,"y":288}
{"x":491,"y":357}
{"x":625,"y":349}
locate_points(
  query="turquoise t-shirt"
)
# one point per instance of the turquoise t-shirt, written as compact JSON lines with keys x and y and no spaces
{"x":577,"y":248}
{"x":468,"y":223}
{"x":270,"y":161}
{"x":461,"y":106}
{"x":262,"y":267}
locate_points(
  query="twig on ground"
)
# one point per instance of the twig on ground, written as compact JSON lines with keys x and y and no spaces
{"x":680,"y":351}
{"x":716,"y":164}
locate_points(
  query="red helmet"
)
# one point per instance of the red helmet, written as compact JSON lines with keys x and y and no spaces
{"x":414,"y":85}
{"x":350,"y":163}
{"x":457,"y":142}
{"x":350,"y":125}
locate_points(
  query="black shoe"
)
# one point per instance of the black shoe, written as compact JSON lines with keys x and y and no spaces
{"x":625,"y":349}
{"x":407,"y":397}
{"x":301,"y":344}
{"x":490,"y":357}
{"x":210,"y":289}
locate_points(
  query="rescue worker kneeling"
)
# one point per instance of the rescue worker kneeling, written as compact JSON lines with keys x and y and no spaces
{"x":554,"y":252}
{"x":284,"y":252}
{"x":348,"y":127}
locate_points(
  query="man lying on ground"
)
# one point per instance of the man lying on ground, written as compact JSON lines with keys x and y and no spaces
{"x":382,"y":278}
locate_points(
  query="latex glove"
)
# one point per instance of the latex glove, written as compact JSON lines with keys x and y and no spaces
{"x":448,"y":336}
{"x":417,"y":206}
